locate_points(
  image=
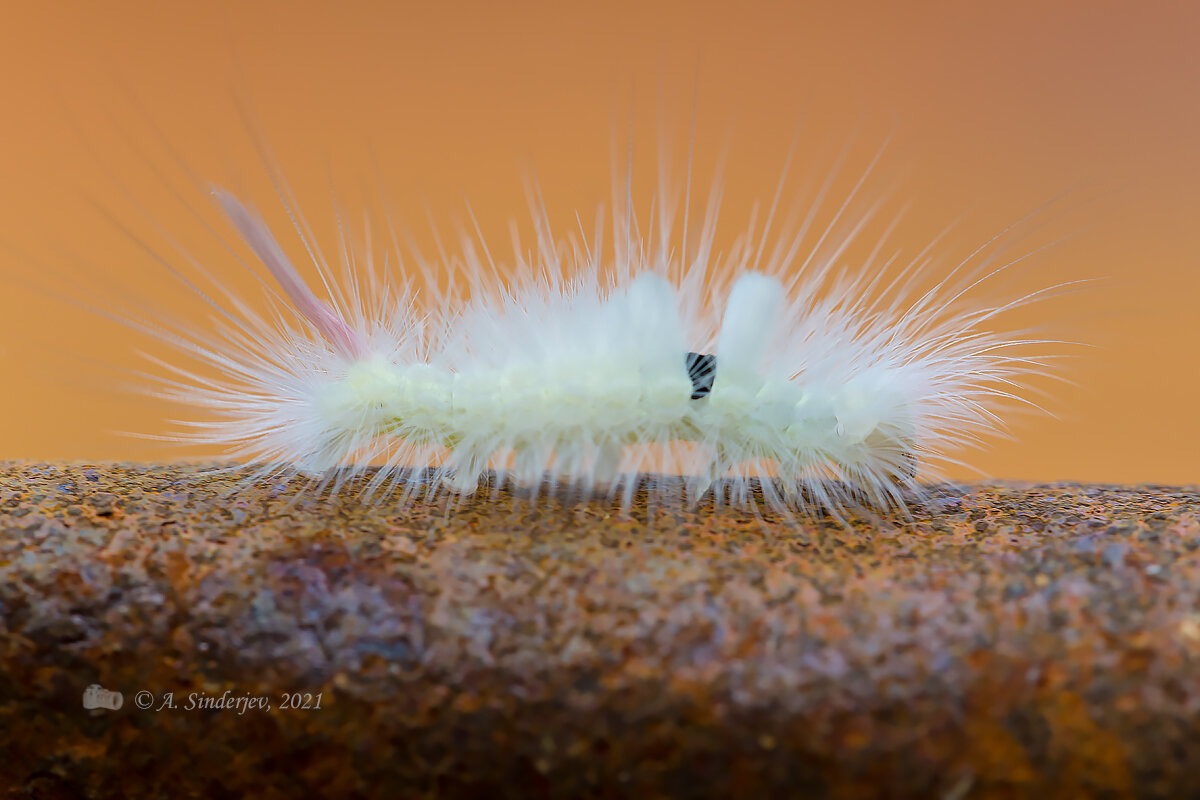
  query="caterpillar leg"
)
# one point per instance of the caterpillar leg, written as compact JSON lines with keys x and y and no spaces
{"x":608,"y":462}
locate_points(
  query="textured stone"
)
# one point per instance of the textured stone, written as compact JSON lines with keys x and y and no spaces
{"x":1009,"y":639}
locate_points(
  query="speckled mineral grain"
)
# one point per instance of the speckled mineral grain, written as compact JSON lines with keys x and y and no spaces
{"x":1009,"y":640}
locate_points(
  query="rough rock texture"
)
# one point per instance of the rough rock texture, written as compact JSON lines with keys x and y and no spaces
{"x":1010,"y":640}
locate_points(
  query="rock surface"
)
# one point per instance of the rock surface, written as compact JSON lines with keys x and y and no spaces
{"x":1011,"y":639}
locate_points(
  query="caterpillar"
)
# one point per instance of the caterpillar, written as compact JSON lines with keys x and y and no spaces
{"x":793,"y":378}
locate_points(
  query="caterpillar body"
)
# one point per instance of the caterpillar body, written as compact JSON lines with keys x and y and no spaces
{"x":796,"y":378}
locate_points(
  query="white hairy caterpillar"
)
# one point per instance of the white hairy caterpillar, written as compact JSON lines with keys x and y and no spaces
{"x":791,"y":374}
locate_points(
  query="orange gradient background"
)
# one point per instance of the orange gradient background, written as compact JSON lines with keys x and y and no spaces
{"x":115,"y":112}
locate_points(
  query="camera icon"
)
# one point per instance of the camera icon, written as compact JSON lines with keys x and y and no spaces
{"x":96,"y":696}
